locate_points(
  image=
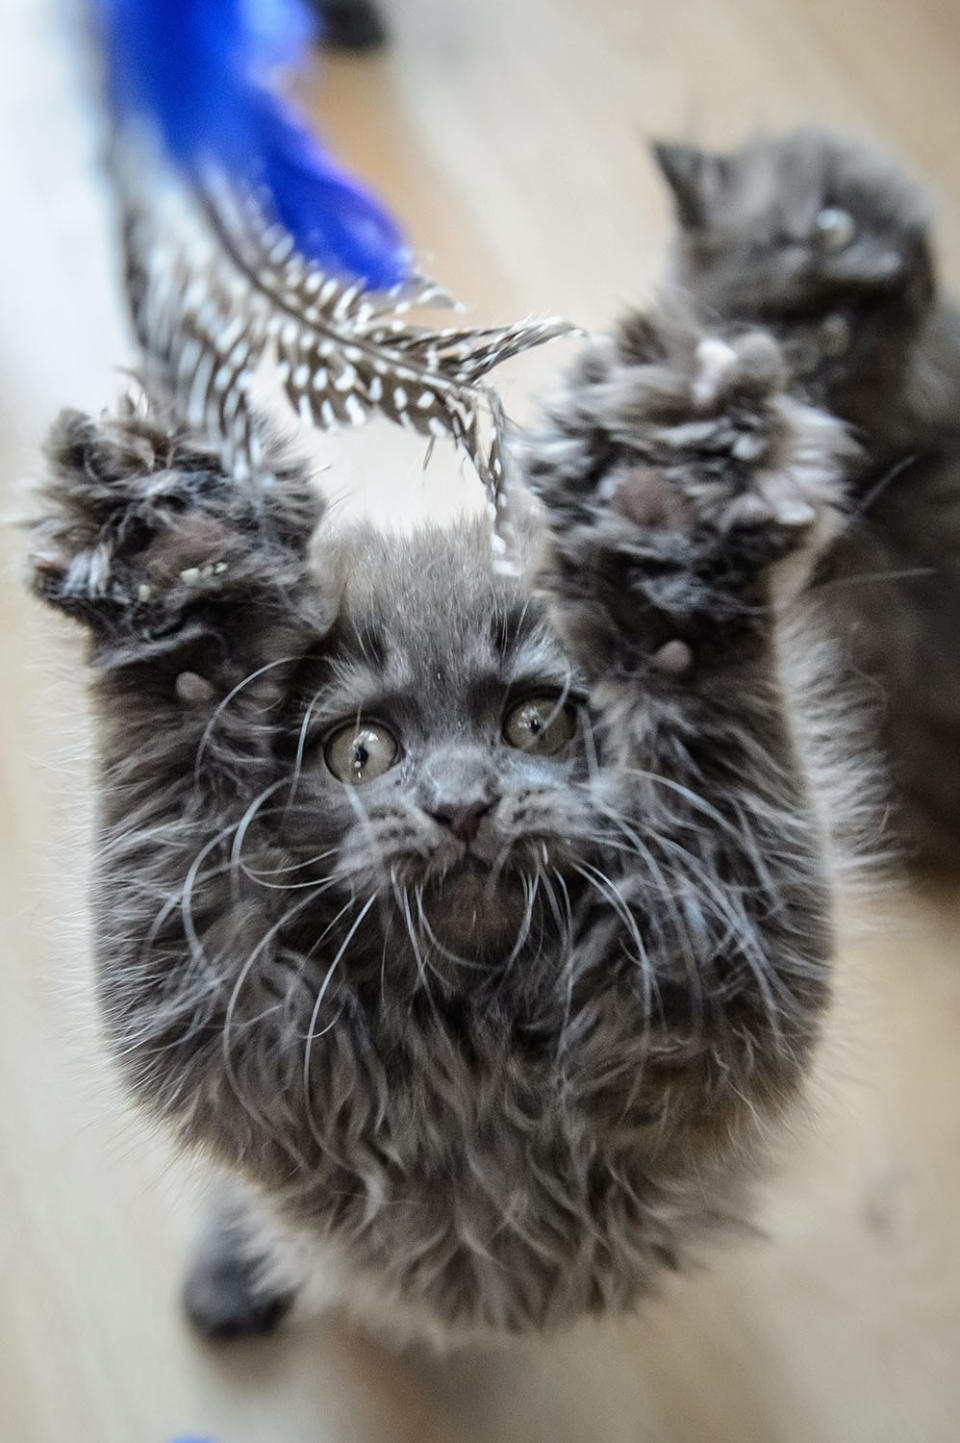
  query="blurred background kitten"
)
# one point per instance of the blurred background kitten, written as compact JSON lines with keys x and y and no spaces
{"x":828,"y":244}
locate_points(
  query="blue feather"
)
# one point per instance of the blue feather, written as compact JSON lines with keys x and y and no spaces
{"x":198,"y":71}
{"x":334,"y":220}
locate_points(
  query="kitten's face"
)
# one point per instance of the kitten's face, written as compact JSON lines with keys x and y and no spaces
{"x":805,"y":228}
{"x":440,"y":752}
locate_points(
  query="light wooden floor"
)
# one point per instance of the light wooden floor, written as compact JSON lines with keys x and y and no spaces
{"x":509,"y":133}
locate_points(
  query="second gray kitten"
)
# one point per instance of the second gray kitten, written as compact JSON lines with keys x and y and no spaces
{"x":828,"y":245}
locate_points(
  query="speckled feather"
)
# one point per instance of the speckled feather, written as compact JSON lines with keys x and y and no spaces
{"x":213,"y":291}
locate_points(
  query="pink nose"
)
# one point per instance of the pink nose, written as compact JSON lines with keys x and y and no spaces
{"x":463,"y":822}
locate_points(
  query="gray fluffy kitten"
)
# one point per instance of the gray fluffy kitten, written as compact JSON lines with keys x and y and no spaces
{"x":476,"y":926}
{"x":828,"y":245}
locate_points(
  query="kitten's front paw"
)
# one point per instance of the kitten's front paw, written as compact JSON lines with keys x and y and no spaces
{"x":139,"y":524}
{"x":684,"y":492}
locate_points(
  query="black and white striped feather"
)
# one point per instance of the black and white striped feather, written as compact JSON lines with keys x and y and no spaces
{"x":216,"y":294}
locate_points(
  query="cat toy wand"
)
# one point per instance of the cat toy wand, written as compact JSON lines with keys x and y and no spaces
{"x":247,"y":247}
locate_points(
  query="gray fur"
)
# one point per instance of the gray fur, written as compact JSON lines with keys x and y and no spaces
{"x":870,"y":335}
{"x":504,"y":1091}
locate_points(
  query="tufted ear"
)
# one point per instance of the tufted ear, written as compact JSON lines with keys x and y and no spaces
{"x":696,"y":178}
{"x":138,"y":527}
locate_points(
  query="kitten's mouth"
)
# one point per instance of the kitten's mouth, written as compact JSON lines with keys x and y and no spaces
{"x":473,"y":908}
{"x":454,"y":859}
{"x":470,"y":864}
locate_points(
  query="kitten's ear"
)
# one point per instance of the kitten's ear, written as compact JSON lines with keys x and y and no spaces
{"x":696,"y":178}
{"x":138,"y":526}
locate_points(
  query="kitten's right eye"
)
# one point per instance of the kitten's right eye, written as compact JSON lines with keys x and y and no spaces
{"x":541,"y":725}
{"x":360,"y":752}
{"x":836,"y":228}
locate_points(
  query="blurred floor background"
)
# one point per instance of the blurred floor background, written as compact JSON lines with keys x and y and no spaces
{"x":511,"y":135}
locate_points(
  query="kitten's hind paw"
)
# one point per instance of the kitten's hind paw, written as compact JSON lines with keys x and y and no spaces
{"x":225,"y":1295}
{"x":684,"y":491}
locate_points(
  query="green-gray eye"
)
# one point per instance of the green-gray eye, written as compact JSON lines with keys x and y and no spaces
{"x":835,"y":228}
{"x":360,"y":753}
{"x":542,"y":725}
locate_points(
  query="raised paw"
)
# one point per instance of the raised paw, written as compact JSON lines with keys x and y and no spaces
{"x":138,"y":524}
{"x":684,"y":492}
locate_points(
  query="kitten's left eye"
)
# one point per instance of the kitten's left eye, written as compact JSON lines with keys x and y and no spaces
{"x":541,"y":724}
{"x":360,"y":753}
{"x":835,"y":228}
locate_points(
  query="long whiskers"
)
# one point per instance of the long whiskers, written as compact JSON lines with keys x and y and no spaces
{"x":419,"y":956}
{"x":228,"y":1062}
{"x":608,"y":889}
{"x":227,"y":700}
{"x":312,"y":1035}
{"x":241,"y":831}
